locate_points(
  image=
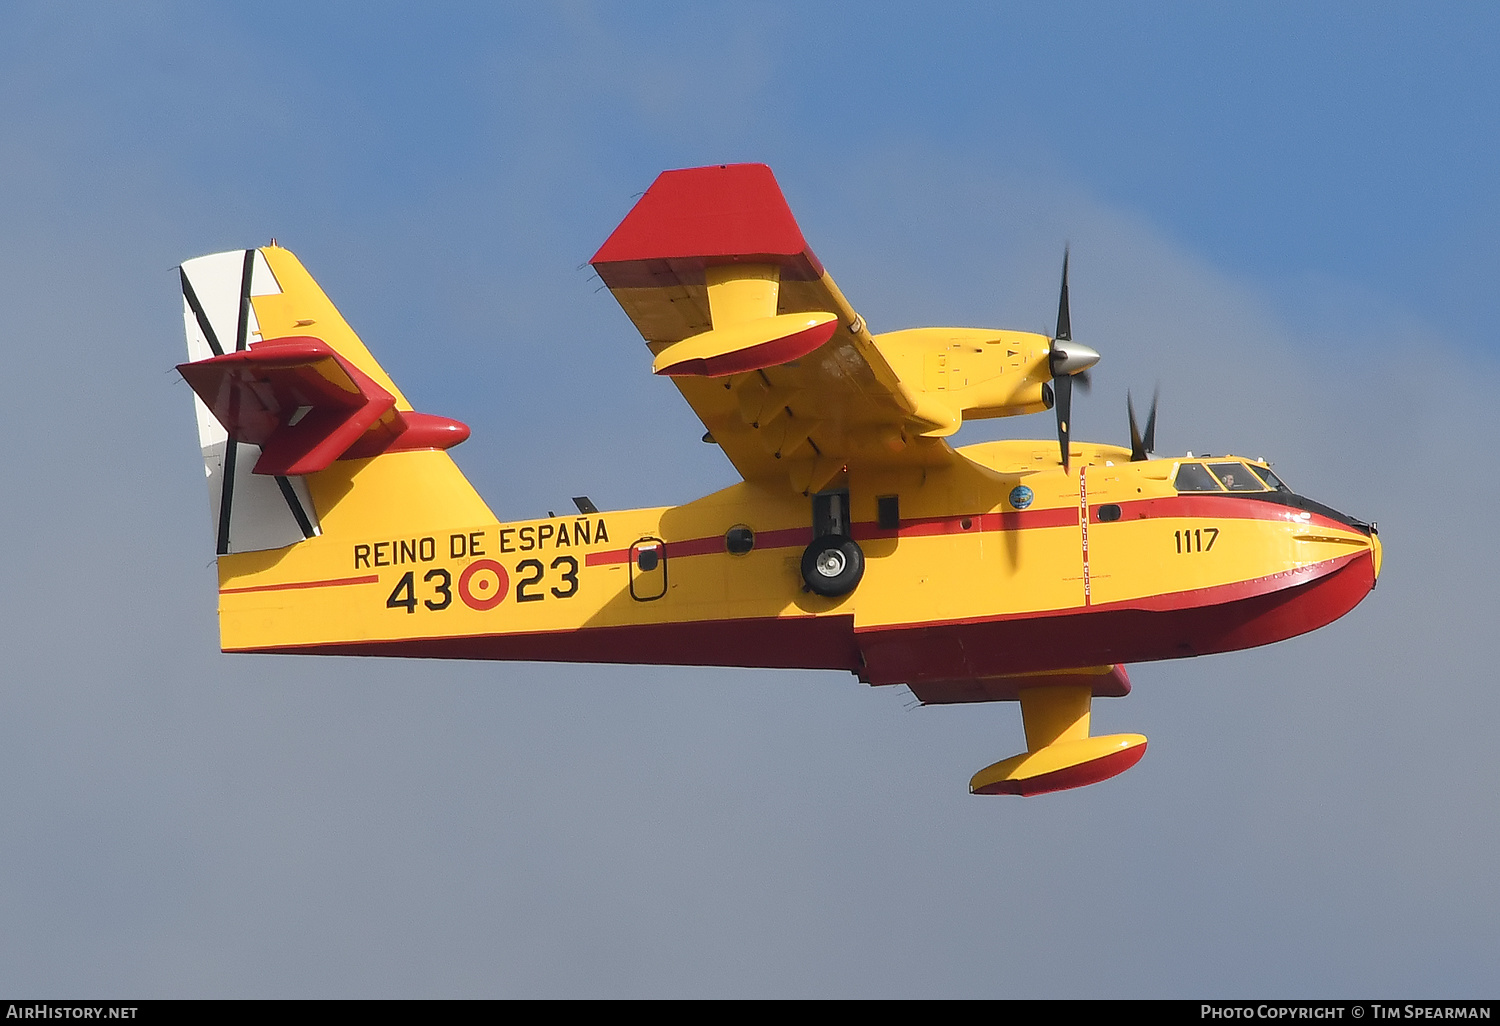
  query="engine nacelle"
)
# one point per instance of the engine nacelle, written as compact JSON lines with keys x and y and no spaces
{"x":968,"y":373}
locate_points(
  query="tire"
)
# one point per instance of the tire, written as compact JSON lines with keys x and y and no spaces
{"x":832,"y":565}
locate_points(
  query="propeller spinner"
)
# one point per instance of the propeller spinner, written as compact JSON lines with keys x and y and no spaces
{"x":1067,"y":360}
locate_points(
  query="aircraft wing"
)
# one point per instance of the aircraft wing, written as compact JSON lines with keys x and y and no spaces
{"x":713,"y":270}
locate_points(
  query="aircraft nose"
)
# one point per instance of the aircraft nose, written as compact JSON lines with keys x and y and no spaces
{"x":1375,"y":551}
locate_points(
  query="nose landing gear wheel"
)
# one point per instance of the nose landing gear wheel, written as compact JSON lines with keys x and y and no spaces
{"x":832,"y":565}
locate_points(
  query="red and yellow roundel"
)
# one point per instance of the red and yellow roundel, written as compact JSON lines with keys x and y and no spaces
{"x":483,"y":584}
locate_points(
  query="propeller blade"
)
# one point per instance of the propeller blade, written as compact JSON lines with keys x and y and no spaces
{"x":1140,"y":444}
{"x":1137,"y":444}
{"x":1064,"y":321}
{"x":1062,"y":390}
{"x":1067,"y":359}
{"x":1085,"y":381}
{"x":1151,"y":421}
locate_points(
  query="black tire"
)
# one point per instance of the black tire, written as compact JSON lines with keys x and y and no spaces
{"x":832,"y":565}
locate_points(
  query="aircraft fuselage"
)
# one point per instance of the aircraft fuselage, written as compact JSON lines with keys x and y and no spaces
{"x":1004,"y":566}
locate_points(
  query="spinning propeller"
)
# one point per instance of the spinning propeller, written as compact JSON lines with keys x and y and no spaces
{"x":1067,"y":360}
{"x":1140,"y":444}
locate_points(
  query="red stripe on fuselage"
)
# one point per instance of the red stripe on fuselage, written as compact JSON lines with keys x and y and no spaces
{"x":334,"y":583}
{"x":922,"y":527}
{"x":1009,"y":520}
{"x":1205,"y":507}
{"x":783,"y":539}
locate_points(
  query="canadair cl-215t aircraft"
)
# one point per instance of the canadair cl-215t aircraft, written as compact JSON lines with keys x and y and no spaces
{"x":859,"y":539}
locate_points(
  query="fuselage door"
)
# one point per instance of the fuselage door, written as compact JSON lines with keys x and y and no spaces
{"x":648,"y":569}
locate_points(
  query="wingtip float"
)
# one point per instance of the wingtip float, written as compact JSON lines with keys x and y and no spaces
{"x":859,"y":539}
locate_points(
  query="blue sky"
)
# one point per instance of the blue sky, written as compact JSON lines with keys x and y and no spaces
{"x":1282,"y":140}
{"x":1285,"y":214}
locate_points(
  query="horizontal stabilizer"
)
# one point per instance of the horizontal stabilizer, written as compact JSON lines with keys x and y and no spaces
{"x":306,"y":406}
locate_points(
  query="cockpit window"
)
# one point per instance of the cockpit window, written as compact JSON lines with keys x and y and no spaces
{"x":1236,"y":477}
{"x":1271,"y":480}
{"x":1193,"y":477}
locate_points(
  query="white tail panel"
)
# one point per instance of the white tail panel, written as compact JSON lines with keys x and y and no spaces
{"x":250,"y":511}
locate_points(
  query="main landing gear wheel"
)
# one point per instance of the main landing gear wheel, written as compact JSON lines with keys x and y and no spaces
{"x":832,"y":565}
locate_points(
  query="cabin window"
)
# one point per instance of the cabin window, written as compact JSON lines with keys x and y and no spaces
{"x":888,"y":512}
{"x":739,"y":540}
{"x":1194,"y":477}
{"x":1236,"y":477}
{"x":1108,"y":513}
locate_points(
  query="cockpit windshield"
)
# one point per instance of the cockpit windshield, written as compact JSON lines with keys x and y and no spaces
{"x":1224,"y":475}
{"x":1236,"y":477}
{"x":1194,"y":477}
{"x":1271,"y":480}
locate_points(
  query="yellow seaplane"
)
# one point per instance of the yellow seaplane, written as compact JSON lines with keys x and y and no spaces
{"x":858,"y":539}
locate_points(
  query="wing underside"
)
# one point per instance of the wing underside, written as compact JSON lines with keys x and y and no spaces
{"x":710,"y":251}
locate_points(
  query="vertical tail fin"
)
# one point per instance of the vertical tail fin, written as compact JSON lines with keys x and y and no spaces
{"x":286,"y":394}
